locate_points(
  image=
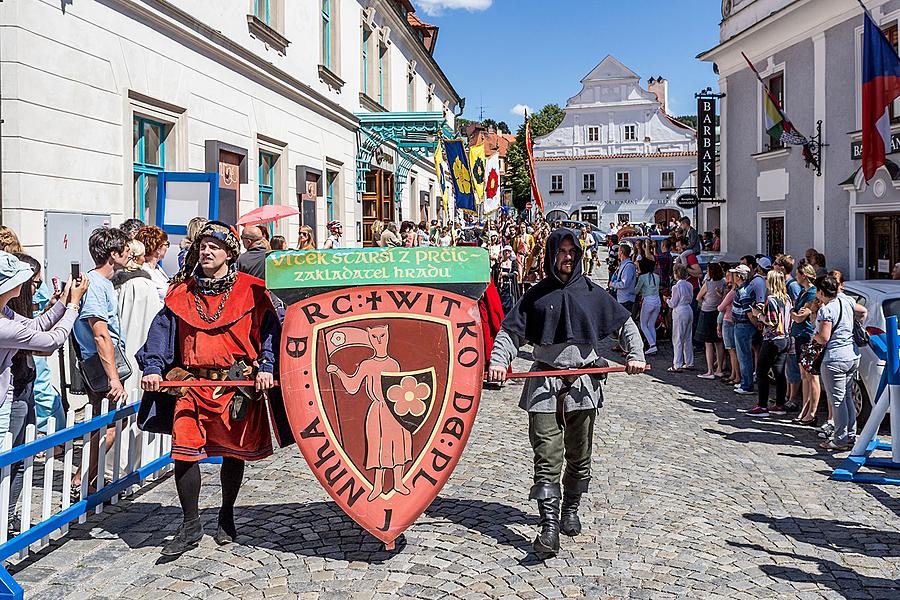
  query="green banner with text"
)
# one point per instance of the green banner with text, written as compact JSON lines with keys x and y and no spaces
{"x":376,"y":266}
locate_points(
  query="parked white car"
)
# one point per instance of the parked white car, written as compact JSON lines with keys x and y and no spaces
{"x":881,"y":297}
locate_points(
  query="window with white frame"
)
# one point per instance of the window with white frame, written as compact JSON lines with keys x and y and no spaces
{"x":332,"y":195}
{"x":556,"y":183}
{"x":588,"y":182}
{"x":775,"y":84}
{"x":667,"y":180}
{"x":411,"y":87}
{"x":384,"y":78}
{"x":269,"y":12}
{"x":623,"y":181}
{"x":366,"y":59}
{"x":630,"y":133}
{"x":149,"y":138}
{"x":593,"y":134}
{"x":327,"y":33}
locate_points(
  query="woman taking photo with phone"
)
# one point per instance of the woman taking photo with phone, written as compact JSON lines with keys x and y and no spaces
{"x":44,"y":334}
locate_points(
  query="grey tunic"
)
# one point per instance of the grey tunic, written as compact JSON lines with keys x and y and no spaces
{"x":540,"y":394}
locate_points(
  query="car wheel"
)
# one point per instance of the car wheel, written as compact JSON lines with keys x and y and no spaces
{"x":861,"y":399}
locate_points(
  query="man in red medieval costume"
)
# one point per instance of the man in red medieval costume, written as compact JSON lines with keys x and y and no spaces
{"x":214,"y":319}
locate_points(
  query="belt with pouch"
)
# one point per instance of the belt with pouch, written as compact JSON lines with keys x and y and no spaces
{"x":240,"y":371}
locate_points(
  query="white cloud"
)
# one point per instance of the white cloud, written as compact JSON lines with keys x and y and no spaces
{"x":520,"y":110}
{"x":437,"y":7}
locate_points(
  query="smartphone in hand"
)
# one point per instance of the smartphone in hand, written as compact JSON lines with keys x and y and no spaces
{"x":76,"y":271}
{"x":57,"y":287}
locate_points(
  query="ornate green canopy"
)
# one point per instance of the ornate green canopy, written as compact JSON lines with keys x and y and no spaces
{"x":414,"y":135}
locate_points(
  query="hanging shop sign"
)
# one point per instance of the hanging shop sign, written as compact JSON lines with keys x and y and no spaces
{"x":706,"y":147}
{"x":856,"y":147}
{"x":687,"y":201}
{"x":381,"y":423}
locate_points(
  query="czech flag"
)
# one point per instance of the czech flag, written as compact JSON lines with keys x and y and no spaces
{"x":880,"y":87}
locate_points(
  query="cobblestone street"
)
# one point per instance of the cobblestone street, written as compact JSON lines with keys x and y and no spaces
{"x":690,"y":499}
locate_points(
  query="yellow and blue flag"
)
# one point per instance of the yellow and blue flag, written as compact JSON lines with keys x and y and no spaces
{"x":460,"y":174}
{"x":478,"y":164}
{"x":440,"y":169}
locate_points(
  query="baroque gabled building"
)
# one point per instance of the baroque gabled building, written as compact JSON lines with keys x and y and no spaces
{"x":617,"y":155}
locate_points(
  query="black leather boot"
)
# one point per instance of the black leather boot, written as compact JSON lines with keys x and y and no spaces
{"x":547,"y":541}
{"x":547,"y":496}
{"x":569,"y":523}
{"x":227,"y":531}
{"x":186,"y":538}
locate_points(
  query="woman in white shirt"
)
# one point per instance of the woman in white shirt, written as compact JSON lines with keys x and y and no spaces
{"x":648,"y":289}
{"x":156,"y":245}
{"x":682,"y":321}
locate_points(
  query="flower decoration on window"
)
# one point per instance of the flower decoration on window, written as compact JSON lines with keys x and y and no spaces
{"x":409,"y":396}
{"x":462,"y":176}
{"x":493,"y":184}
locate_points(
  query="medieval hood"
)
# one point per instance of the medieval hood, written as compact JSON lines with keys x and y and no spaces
{"x":575,"y":312}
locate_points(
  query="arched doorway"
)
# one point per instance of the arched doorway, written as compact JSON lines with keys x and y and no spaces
{"x":663,"y":215}
{"x":556,"y":215}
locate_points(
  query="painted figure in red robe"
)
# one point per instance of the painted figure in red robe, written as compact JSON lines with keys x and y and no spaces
{"x":388,"y":443}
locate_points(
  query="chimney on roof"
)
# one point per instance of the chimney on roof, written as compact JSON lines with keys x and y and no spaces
{"x":660,"y":87}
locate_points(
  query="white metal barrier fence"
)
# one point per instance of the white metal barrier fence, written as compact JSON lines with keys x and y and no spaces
{"x":47,"y":507}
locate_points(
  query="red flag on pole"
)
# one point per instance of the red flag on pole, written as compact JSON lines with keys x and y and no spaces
{"x":535,"y":190}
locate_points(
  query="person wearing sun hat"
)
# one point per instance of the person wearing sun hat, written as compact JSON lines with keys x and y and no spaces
{"x":44,"y":334}
{"x":217,"y":323}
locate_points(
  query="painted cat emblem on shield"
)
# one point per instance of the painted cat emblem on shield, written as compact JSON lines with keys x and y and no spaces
{"x":381,"y":387}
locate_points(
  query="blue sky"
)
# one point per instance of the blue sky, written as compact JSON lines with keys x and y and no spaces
{"x":503,"y":53}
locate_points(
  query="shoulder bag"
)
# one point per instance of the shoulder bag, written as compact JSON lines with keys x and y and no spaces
{"x":95,"y":375}
{"x":860,"y":335}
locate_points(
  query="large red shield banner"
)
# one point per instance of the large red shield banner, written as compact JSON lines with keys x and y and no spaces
{"x":381,"y":382}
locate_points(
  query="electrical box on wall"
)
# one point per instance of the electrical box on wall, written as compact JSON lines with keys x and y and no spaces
{"x":66,"y":241}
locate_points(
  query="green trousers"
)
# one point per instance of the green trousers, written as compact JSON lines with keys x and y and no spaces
{"x":554,"y":437}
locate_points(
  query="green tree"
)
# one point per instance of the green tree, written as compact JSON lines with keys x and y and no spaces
{"x":689,"y":120}
{"x":542,"y":122}
{"x":502,"y":127}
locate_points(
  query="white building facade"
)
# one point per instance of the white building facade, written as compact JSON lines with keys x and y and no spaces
{"x":274,"y":96}
{"x":809,"y":53}
{"x":617,"y":155}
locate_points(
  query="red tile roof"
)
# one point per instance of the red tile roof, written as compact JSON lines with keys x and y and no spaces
{"x":493,"y":142}
{"x":614,"y":156}
{"x":429,"y":31}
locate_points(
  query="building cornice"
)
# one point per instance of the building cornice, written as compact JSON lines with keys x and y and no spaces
{"x":652,"y":155}
{"x":779,"y":30}
{"x":171,"y":20}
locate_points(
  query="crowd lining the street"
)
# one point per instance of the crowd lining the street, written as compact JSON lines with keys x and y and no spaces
{"x":764,"y":321}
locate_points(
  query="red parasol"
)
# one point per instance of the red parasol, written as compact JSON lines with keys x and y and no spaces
{"x":267,"y":213}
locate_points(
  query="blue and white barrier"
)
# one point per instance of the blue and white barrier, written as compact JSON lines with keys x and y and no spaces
{"x":135,"y":456}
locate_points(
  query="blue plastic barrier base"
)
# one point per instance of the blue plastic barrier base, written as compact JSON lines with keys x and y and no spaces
{"x":9,"y":589}
{"x":849,"y":469}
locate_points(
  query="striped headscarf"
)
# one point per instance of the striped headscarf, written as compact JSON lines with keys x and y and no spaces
{"x":214,"y":229}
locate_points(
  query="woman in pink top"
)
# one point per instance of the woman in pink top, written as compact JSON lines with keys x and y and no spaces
{"x":726,"y":330}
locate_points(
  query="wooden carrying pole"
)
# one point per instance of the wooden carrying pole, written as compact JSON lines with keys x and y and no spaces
{"x":204,"y":383}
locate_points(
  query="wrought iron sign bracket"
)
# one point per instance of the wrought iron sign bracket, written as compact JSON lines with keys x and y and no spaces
{"x":815,"y":147}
